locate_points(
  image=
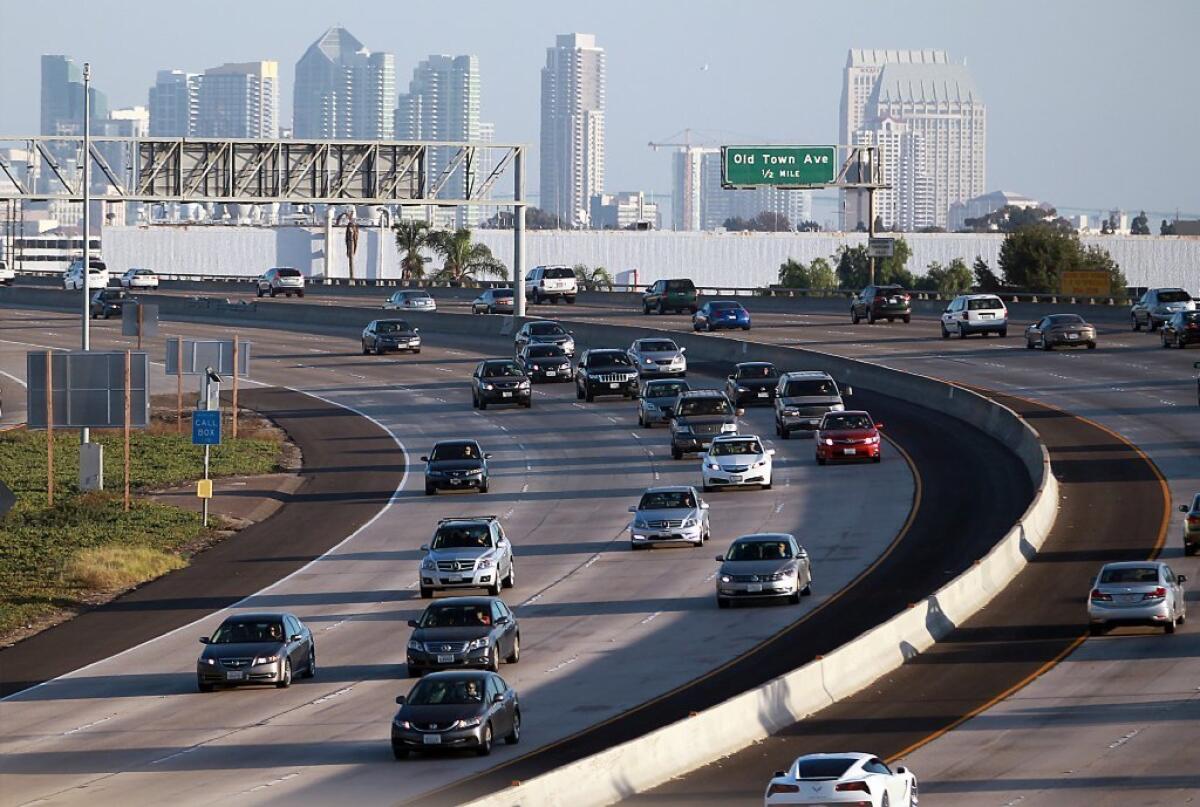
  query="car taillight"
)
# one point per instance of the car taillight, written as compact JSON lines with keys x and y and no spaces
{"x":779,"y":787}
{"x":906,"y":297}
{"x":853,"y":786}
{"x":1157,"y":594}
{"x":1193,"y":519}
{"x":1097,"y":594}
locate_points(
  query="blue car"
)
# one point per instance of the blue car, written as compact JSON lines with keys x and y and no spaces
{"x":721,"y":314}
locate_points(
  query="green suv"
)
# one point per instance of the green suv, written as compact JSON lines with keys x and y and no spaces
{"x":670,"y":295}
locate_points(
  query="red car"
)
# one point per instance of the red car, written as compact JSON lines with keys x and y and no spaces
{"x":847,"y":436}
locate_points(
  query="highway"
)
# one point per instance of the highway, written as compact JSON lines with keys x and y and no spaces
{"x":603,"y":628}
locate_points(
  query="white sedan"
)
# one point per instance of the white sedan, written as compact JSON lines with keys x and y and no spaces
{"x":139,"y":279}
{"x":736,"y":460}
{"x":842,"y":779}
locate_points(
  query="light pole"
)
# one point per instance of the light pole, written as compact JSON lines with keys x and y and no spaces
{"x":87,"y":203}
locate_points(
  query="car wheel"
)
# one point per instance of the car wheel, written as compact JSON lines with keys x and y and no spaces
{"x":745,"y":327}
{"x":258,"y":292}
{"x":645,"y":310}
{"x":962,"y":334}
{"x":907,"y":318}
{"x":693,"y":309}
{"x":570,"y":300}
{"x":1169,"y":627}
{"x":203,"y":687}
{"x":482,"y":403}
{"x":300,"y":294}
{"x":636,"y":547}
{"x":1046,"y":345}
{"x":529,"y":404}
{"x":1028,"y":343}
{"x":785,"y":433}
{"x":870,"y":318}
{"x":485,"y":744}
{"x":820,"y":460}
{"x":578,"y":392}
{"x":676,"y":454}
{"x":708,"y":488}
{"x":483,"y":488}
{"x":285,"y":680}
{"x":945,"y":333}
{"x":430,"y":490}
{"x":854,"y":318}
{"x":311,"y":670}
{"x":588,"y":395}
{"x":514,"y":736}
{"x":794,"y":598}
{"x":722,"y":602}
{"x":365,"y":350}
{"x":766,"y":486}
{"x":876,"y":458}
{"x":426,"y":592}
{"x":493,"y":663}
{"x":1004,"y":333}
{"x":515,"y":655}
{"x":510,"y":580}
{"x":1165,"y":344}
{"x":807,"y":590}
{"x":398,"y":752}
{"x":1091,"y":346}
{"x":273,"y":292}
{"x":1137,"y":326}
{"x":662,"y":309}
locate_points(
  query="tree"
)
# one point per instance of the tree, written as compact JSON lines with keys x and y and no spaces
{"x":793,"y":274}
{"x":770,"y":222}
{"x":808,"y":226}
{"x":1140,"y":225}
{"x":736,"y":224}
{"x":1166,"y":229}
{"x":1034,"y":258}
{"x":463,"y":259}
{"x":411,"y":238}
{"x":538,"y":219}
{"x":1011,"y":218}
{"x":854,"y":272}
{"x":985,"y":279}
{"x":947,"y":280}
{"x":932,"y":228}
{"x":879,"y":223}
{"x":593,"y":278}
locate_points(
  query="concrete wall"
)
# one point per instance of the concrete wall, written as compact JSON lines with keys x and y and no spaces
{"x":728,"y":259}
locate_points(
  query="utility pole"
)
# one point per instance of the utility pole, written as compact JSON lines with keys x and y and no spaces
{"x":519,"y":233}
{"x":87,"y":203}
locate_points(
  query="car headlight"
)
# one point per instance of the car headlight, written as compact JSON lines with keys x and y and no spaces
{"x":476,"y":472}
{"x":837,"y":408}
{"x":873,"y":439}
{"x":429,"y":564}
{"x":569,"y":345}
{"x":489,"y":386}
{"x":647,"y":360}
{"x":726,"y":578}
{"x":729,"y":427}
{"x":468,"y":723}
{"x":760,"y":464}
{"x":401,"y":724}
{"x":210,"y":662}
{"x":524,"y":384}
{"x":478,"y":644}
{"x":639,"y":523}
{"x":828,"y":441}
{"x":485,"y":563}
{"x":742,"y":389}
{"x":266,"y":660}
{"x":712,"y":466}
{"x":413,"y":644}
{"x":689,"y":522}
{"x":791,"y":411}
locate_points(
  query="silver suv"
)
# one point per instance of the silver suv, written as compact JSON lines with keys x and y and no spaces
{"x":467,"y":552}
{"x":669,"y":515}
{"x":698,"y":417}
{"x":803,"y":398}
{"x":1157,"y":306}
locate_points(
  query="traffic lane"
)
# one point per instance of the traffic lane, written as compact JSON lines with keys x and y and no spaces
{"x":920,"y":562}
{"x":1037,"y":618}
{"x":375,"y":724}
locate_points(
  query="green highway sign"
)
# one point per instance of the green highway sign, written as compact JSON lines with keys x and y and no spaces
{"x":778,"y":166}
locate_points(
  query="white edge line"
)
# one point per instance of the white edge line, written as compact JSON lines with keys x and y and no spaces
{"x":260,"y":592}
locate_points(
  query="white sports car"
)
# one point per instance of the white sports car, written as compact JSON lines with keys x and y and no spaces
{"x":735,"y":460}
{"x":849,"y":778}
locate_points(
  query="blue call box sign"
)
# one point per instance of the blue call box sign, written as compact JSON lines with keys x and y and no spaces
{"x":206,"y":427}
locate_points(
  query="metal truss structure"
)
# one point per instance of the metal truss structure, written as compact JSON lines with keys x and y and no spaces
{"x":254,"y":171}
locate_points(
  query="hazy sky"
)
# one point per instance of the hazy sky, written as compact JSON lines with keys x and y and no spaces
{"x":1090,"y":104}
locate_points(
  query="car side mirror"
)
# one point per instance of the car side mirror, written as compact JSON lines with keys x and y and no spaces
{"x":901,"y":770}
{"x":703,"y":505}
{"x":424,"y":458}
{"x":683,"y":350}
{"x":412,"y":623}
{"x":296,"y":637}
{"x":633,"y":508}
{"x":204,"y":640}
{"x":424,"y":547}
{"x":1181,"y":578}
{"x":739,"y":412}
{"x":778,"y":774}
{"x":947,"y":311}
{"x":770,"y":452}
{"x":848,"y":391}
{"x":487,"y":456}
{"x":879,"y":426}
{"x":730,"y":376}
{"x":499,"y":698}
{"x":1183,"y":508}
{"x":501,"y":620}
{"x":720,"y":558}
{"x":416,"y":330}
{"x":400,"y":699}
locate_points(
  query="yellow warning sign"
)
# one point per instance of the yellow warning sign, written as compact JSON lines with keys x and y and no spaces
{"x":1085,"y":283}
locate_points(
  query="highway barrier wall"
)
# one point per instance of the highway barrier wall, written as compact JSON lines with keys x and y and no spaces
{"x":673,"y":750}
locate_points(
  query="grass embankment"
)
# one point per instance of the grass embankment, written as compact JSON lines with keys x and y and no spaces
{"x":84,"y":549}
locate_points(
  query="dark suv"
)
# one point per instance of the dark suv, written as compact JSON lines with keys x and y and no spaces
{"x":108,"y":303}
{"x":605,"y":372}
{"x":670,"y":295}
{"x":698,"y":417}
{"x":1181,"y":329}
{"x":456,"y":465}
{"x":881,"y":302}
{"x":500,"y":381}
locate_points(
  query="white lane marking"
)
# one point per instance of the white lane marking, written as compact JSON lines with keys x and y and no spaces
{"x":508,"y":513}
{"x":650,"y":618}
{"x":503,"y":428}
{"x":1125,"y":738}
{"x":274,"y":782}
{"x":176,"y":754}
{"x":334,"y":625}
{"x":443,"y":370}
{"x":562,"y":664}
{"x":356,"y":375}
{"x":85,"y":726}
{"x":779,"y":507}
{"x":14,"y":378}
{"x":330,"y":696}
{"x":524,"y":488}
{"x":532,"y":599}
{"x":636,"y":436}
{"x":578,"y":405}
{"x":710,"y":578}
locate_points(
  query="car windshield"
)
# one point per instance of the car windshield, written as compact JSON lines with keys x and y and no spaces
{"x":680,"y":285}
{"x":545,"y":352}
{"x":1174,"y":296}
{"x":666,"y":500}
{"x":608,"y":359}
{"x":546,"y":329}
{"x":391,"y":326}
{"x":462,"y":536}
{"x":456,"y":616}
{"x":759,"y":550}
{"x":143,"y":272}
{"x":724,"y":306}
{"x":704,"y":406}
{"x":757,"y":371}
{"x":985,"y":304}
{"x":245,"y":632}
{"x":823,"y":768}
{"x":1130,"y":574}
{"x":665,"y":389}
{"x":725,"y":448}
{"x":810,"y":387}
{"x":455,"y":451}
{"x":559,"y":272}
{"x":845,"y":422}
{"x":1065,"y":319}
{"x":500,"y":369}
{"x":447,"y":692}
{"x":657,"y":346}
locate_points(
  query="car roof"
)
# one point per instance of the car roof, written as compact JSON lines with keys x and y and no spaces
{"x":543,"y":322}
{"x":979,"y":297}
{"x":479,"y":675}
{"x":733,"y":438}
{"x":495,"y":361}
{"x":392,"y":319}
{"x":662,"y":382}
{"x":456,"y":443}
{"x":808,"y":374}
{"x":606,"y":350}
{"x":851,"y":412}
{"x":466,"y":519}
{"x":257,"y":616}
{"x":1133,"y":564}
{"x":735,"y":302}
{"x":670,"y":489}
{"x":654,"y":339}
{"x":476,"y":600}
{"x":857,"y":755}
{"x":755,"y":364}
{"x":765,"y":536}
{"x":702,"y":393}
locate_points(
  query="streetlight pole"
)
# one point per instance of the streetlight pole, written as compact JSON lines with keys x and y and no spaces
{"x":87,"y":203}
{"x":519,"y":233}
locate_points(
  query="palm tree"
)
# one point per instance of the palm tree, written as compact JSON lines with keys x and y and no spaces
{"x":411,"y":237}
{"x":593,"y":278}
{"x":463,"y":260}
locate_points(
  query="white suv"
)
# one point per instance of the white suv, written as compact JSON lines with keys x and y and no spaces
{"x":97,"y":275}
{"x":551,"y":283}
{"x":975,"y":313}
{"x":281,"y":280}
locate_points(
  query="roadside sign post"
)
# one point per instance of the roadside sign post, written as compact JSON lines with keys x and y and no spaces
{"x":127,"y":419}
{"x":49,"y":432}
{"x":178,"y":388}
{"x":206,"y":431}
{"x":139,"y":319}
{"x":235,"y":384}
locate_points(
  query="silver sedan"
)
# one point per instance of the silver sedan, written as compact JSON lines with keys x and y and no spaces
{"x":764,"y":566}
{"x":1136,"y":593}
{"x":658,"y":357}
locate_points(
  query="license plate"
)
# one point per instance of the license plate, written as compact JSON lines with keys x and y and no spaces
{"x":235,"y":676}
{"x":849,"y":451}
{"x":613,"y":385}
{"x":445,"y":659}
{"x":1072,"y":336}
{"x":432,"y":739}
{"x":455,"y":481}
{"x":454,"y":578}
{"x":506,"y":395}
{"x":551,"y":372}
{"x":734,"y":478}
{"x":764,"y":395}
{"x":754,"y":588}
{"x":1128,"y":597}
{"x":986,"y":316}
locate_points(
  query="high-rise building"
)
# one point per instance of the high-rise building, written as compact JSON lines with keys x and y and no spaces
{"x":700,"y":203}
{"x":343,"y":90}
{"x":62,"y":97}
{"x":174,"y":103}
{"x":442,"y":103}
{"x":907,"y":205}
{"x":931,"y":108}
{"x":239,"y":101}
{"x":572,"y":135}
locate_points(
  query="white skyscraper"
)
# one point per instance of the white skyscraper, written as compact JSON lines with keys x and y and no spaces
{"x":343,"y":90}
{"x":925,"y":95}
{"x":240,"y":101}
{"x":174,"y":104}
{"x":572,"y":137}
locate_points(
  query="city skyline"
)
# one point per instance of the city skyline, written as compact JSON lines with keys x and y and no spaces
{"x":667,"y":76}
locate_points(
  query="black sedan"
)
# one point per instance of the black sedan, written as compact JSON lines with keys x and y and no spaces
{"x":456,"y":710}
{"x":108,"y":303}
{"x":1181,"y":329}
{"x":382,"y":335}
{"x":545,"y":362}
{"x":752,"y":382}
{"x":1060,"y":330}
{"x":264,"y":648}
{"x":500,"y":381}
{"x":456,"y":465}
{"x":464,"y":632}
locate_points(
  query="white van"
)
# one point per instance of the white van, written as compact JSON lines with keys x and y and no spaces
{"x":551,"y":283}
{"x":97,"y":275}
{"x":975,"y":313}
